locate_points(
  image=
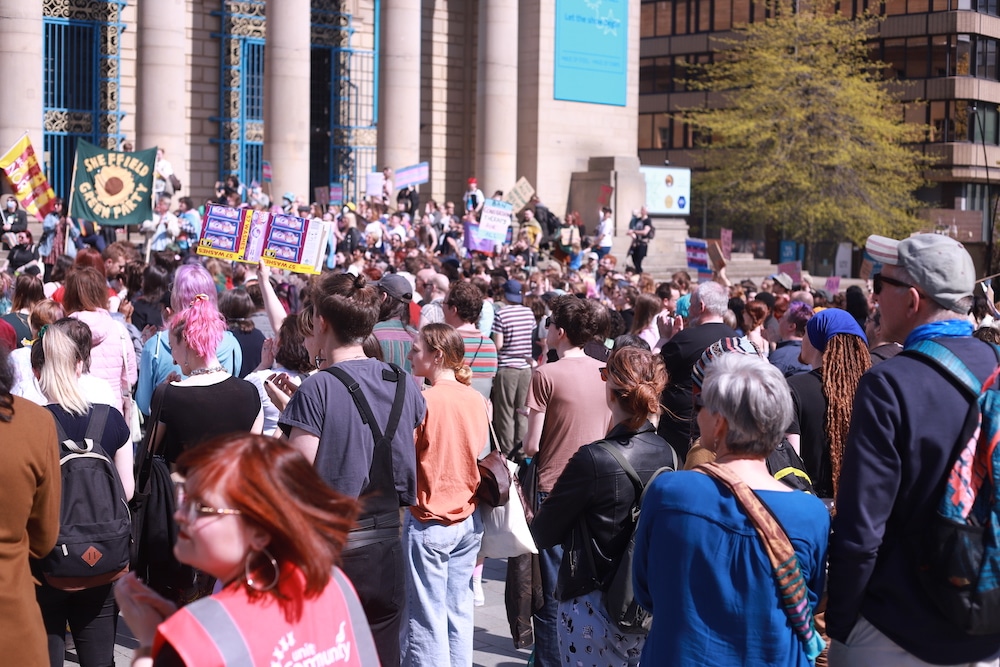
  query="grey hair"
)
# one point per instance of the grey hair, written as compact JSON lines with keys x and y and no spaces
{"x":713,"y":297}
{"x":752,"y":396}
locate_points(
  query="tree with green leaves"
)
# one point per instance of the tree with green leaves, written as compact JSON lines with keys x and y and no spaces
{"x":802,"y":134}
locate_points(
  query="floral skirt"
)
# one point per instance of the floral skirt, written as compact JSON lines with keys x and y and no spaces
{"x":588,"y":638}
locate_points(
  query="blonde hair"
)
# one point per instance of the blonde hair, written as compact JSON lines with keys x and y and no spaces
{"x":58,"y":378}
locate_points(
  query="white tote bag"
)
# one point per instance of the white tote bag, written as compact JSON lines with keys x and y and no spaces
{"x":506,"y":531}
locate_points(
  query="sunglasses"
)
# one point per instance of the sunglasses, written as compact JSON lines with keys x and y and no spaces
{"x":878,"y":281}
{"x":604,"y":373}
{"x":549,"y":322}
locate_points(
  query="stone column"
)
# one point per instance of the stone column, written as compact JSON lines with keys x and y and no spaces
{"x":496,"y":96}
{"x":399,"y":84}
{"x":21,"y":71}
{"x":161,"y":85}
{"x":287,"y":65}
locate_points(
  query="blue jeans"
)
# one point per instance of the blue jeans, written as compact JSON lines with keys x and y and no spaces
{"x":546,"y":619}
{"x":440,"y":559}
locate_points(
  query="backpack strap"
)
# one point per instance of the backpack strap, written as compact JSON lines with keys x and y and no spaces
{"x":95,"y":430}
{"x":939,"y":355}
{"x":382,"y":453}
{"x":362,"y":402}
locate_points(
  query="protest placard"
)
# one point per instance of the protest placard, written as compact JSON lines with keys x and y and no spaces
{"x":494,"y":220}
{"x":245,"y":235}
{"x":520,"y":194}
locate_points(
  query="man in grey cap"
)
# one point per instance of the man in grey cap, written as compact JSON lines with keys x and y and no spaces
{"x":393,"y":330}
{"x":909,"y":418}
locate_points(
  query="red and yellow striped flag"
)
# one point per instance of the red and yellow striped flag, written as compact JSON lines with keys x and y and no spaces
{"x":26,"y":177}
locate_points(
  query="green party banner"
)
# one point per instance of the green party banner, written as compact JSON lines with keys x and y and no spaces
{"x":112,"y":188}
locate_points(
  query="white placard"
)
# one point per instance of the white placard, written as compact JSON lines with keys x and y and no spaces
{"x":494,"y":220}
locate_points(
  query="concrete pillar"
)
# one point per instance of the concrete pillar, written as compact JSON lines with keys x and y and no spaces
{"x":21,"y":71}
{"x":161,"y":83}
{"x":496,"y":95}
{"x":287,"y":65}
{"x":399,"y":84}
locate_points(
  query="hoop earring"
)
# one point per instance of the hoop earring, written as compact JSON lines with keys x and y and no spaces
{"x":248,"y":575}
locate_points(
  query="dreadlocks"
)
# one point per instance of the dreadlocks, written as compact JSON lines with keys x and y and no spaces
{"x":845,"y":360}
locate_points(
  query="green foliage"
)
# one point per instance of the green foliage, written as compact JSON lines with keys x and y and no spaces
{"x":809,"y":139}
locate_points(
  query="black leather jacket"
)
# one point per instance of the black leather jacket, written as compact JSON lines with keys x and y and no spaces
{"x":594,"y":488}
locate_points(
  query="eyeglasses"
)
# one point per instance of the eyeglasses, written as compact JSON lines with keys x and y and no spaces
{"x":192,"y":509}
{"x":878,"y":281}
{"x":604,"y":373}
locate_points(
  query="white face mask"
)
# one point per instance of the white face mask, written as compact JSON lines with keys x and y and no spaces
{"x":11,"y":205}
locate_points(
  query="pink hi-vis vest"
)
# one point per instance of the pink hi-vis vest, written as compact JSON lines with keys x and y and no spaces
{"x":230,"y":630}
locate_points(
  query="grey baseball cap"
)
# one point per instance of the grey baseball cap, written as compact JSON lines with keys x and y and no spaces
{"x":938,"y":264}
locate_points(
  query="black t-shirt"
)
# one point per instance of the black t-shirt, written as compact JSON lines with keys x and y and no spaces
{"x":680,"y":355}
{"x":145,"y":313}
{"x":809,"y":422}
{"x":251,"y":344}
{"x":116,"y":431}
{"x":193,"y":414}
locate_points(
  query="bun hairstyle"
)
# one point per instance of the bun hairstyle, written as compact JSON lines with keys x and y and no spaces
{"x":639,"y":377}
{"x":445,"y":339}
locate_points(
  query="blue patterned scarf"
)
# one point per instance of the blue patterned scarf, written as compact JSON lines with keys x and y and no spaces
{"x":942,"y":329}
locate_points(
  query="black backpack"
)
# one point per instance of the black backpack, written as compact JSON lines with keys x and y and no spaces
{"x":95,"y":527}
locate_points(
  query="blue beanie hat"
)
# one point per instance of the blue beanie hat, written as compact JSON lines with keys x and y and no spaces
{"x":827,"y":323}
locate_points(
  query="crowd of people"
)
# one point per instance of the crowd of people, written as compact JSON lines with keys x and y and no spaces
{"x":323,"y":436}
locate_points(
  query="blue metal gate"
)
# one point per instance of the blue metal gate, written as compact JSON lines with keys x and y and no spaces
{"x":81,"y":82}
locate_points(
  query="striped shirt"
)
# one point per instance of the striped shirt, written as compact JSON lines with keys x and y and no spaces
{"x":480,"y":355}
{"x":515,"y":323}
{"x":396,"y":340}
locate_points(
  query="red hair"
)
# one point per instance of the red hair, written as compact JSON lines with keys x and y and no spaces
{"x":277,"y":490}
{"x":89,"y":257}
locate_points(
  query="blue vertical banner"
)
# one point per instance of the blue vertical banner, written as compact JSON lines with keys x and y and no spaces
{"x":591,"y":51}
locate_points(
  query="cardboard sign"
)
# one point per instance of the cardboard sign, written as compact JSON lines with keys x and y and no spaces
{"x":793,"y":269}
{"x":282,"y":241}
{"x":832,"y":284}
{"x":604,"y":199}
{"x":715,"y":256}
{"x":520,"y":194}
{"x":373,"y":185}
{"x":726,"y":241}
{"x":322,"y":195}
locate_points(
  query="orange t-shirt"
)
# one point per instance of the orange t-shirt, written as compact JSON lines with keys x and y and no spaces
{"x":448,"y":442}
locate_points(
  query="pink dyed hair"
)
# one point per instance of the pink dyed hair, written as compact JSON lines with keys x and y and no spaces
{"x":201,"y":326}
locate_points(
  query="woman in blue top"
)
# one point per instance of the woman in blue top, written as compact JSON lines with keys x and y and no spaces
{"x":700,"y":566}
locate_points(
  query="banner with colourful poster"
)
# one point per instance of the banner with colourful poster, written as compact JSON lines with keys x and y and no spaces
{"x":31,"y":187}
{"x":282,"y":241}
{"x":476,"y":240}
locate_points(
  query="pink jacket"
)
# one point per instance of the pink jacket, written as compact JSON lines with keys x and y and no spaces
{"x":112,"y":349}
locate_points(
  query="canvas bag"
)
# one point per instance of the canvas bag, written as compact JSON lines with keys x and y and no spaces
{"x":505,"y":527}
